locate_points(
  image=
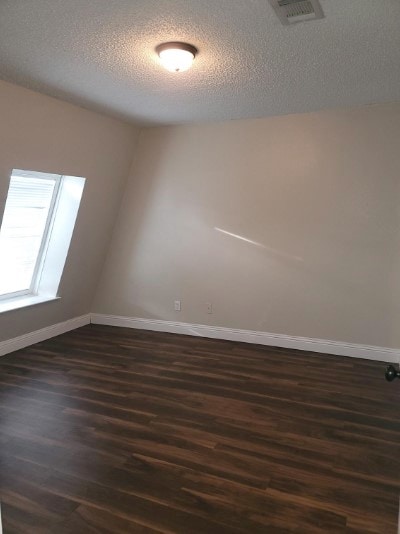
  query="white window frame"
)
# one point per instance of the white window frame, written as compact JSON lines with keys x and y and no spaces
{"x":55,"y":244}
{"x":33,"y":288}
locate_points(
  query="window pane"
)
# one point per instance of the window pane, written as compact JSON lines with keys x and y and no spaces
{"x":22,"y":231}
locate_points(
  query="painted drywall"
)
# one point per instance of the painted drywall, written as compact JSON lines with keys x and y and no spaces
{"x":287,"y":225}
{"x":44,"y":134}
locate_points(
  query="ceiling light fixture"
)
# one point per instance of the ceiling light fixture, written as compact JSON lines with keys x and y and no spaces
{"x":175,"y":56}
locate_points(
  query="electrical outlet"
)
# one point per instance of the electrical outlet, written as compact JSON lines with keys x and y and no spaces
{"x":209,"y":307}
{"x":177,"y":305}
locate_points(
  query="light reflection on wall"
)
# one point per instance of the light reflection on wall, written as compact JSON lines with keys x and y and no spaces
{"x":273,"y":251}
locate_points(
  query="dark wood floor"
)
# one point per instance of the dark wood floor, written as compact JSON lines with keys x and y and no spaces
{"x":114,"y":430}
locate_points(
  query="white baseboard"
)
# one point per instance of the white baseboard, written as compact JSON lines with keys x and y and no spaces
{"x":368,"y":352}
{"x":216,"y":332}
{"x":21,"y":342}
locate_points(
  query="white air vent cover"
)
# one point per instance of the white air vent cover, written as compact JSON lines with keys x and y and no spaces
{"x":291,"y":11}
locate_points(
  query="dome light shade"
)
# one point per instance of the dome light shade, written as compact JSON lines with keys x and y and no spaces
{"x":176,"y":57}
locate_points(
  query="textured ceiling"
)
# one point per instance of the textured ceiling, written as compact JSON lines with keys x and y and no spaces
{"x":100,"y":54}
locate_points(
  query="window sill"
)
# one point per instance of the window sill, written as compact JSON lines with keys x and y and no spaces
{"x":23,"y":302}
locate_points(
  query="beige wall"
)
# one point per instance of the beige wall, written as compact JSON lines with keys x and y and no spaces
{"x":318,"y":194}
{"x":43,"y":134}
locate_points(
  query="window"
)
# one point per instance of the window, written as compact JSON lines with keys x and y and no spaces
{"x":36,"y":230}
{"x":24,"y":231}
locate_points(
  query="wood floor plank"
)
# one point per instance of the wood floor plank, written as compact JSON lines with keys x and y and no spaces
{"x":113,"y":430}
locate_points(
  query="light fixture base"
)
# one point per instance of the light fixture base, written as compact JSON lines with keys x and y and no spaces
{"x":176,"y":56}
{"x":177,"y":45}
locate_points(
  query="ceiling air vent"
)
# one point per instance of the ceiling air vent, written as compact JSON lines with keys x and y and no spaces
{"x":292,"y":11}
